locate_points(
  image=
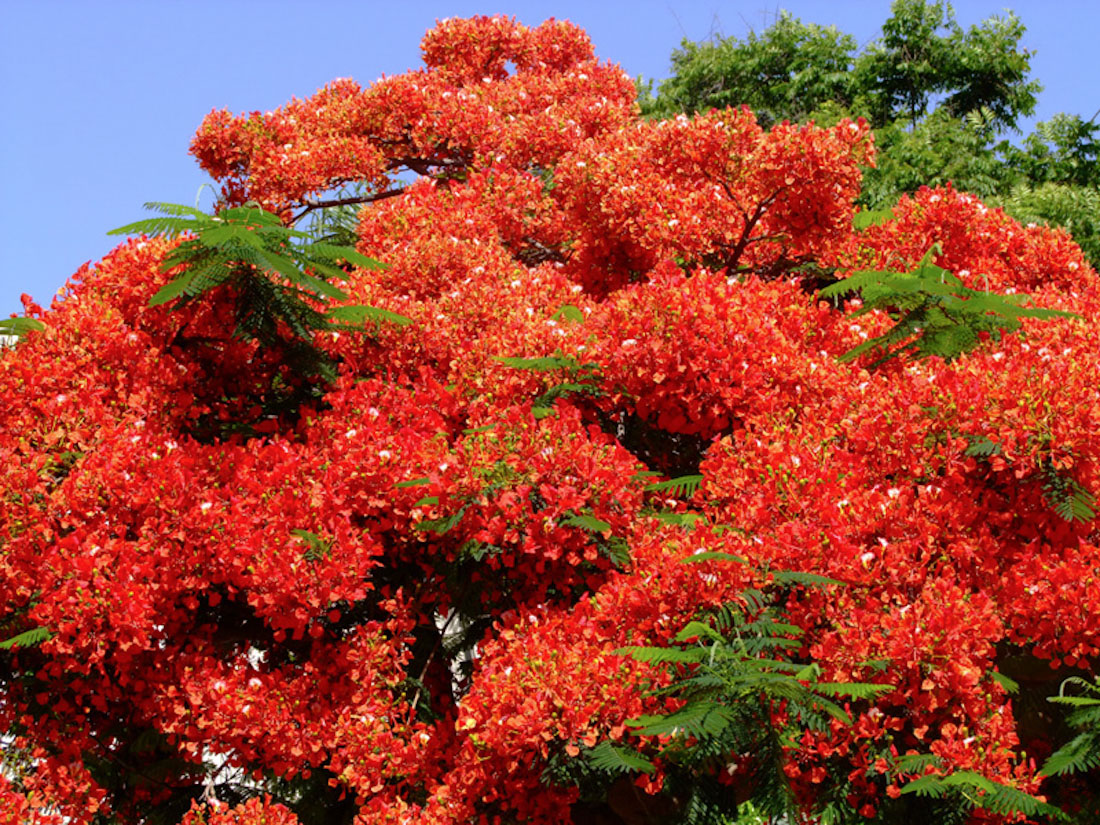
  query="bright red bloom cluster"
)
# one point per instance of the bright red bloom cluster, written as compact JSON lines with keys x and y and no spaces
{"x":398,"y":597}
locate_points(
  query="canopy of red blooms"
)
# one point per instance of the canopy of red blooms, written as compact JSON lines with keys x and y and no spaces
{"x":279,"y":600}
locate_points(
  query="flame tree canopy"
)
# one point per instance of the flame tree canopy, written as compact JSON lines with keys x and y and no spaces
{"x":443,"y":579}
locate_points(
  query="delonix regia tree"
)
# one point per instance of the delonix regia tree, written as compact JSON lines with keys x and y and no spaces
{"x":685,"y":486}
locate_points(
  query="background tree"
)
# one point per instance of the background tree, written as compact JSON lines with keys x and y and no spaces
{"x":925,"y":60}
{"x":785,"y":73}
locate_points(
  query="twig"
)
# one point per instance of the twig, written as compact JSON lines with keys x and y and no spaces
{"x":311,"y":205}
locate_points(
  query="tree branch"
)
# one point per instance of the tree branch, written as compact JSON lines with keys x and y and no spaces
{"x":311,"y":205}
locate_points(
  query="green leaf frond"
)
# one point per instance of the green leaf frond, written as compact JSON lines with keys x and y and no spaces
{"x":587,"y":522}
{"x":281,"y":277}
{"x":1066,"y":496}
{"x":981,"y":792}
{"x":568,"y":312}
{"x":730,"y":669}
{"x":28,"y":638}
{"x":615,"y":759}
{"x":358,"y":314}
{"x":546,"y":363}
{"x":934,"y":313}
{"x":685,"y":486}
{"x":581,"y":378}
{"x":18,"y":327}
{"x":1082,"y":753}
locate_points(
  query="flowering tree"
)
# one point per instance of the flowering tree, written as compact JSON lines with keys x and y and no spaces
{"x":427,"y":583}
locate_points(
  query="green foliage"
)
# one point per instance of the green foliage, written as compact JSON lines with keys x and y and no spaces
{"x":358,"y":314}
{"x":280,"y":279}
{"x":934,"y":313}
{"x":317,"y":547}
{"x":685,"y":520}
{"x":936,"y":150}
{"x":1009,"y":685}
{"x":546,"y":363}
{"x":611,"y":759}
{"x":337,"y":224}
{"x":685,"y":486}
{"x":28,"y":638}
{"x":1064,"y":149}
{"x":982,"y":447}
{"x":732,"y":670}
{"x":970,"y":789}
{"x":1082,"y":753}
{"x":19,"y":327}
{"x":900,"y":72}
{"x":568,"y":312}
{"x":580,"y":378}
{"x":1073,"y":207}
{"x":441,"y":526}
{"x":925,"y":55}
{"x":1062,"y":493}
{"x":587,"y":522}
{"x":784,"y":73}
{"x":794,"y":70}
{"x":871,"y":217}
{"x":1066,"y":496}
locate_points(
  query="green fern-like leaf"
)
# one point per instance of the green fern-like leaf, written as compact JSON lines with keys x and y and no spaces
{"x":280,"y":277}
{"x":582,"y":379}
{"x":853,"y":690}
{"x":730,"y":671}
{"x":683,"y":485}
{"x":317,"y":547}
{"x":700,"y":630}
{"x":442,"y":525}
{"x":982,"y":447}
{"x":335,"y":253}
{"x":663,"y":655}
{"x":798,"y":578}
{"x":714,"y":555}
{"x":178,"y":210}
{"x":1065,"y":495}
{"x":981,"y":792}
{"x":685,"y":520}
{"x":587,"y":522}
{"x":568,"y":312}
{"x":999,"y":798}
{"x":361,"y":313}
{"x":695,"y":720}
{"x":545,"y":363}
{"x":871,"y":217}
{"x":1007,"y":684}
{"x":1082,"y":753}
{"x":28,"y":638}
{"x":934,"y":313}
{"x":19,"y":327}
{"x":916,"y":762}
{"x":931,"y":785}
{"x":615,"y":759}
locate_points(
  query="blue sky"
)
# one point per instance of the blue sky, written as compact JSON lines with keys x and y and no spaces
{"x":100,"y":99}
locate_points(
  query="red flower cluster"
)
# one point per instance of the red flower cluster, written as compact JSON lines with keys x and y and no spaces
{"x":399,"y":596}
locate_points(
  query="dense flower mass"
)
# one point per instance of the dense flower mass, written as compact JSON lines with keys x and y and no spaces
{"x":398,"y":596}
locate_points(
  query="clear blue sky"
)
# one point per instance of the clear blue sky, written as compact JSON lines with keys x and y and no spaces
{"x":100,"y":99}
